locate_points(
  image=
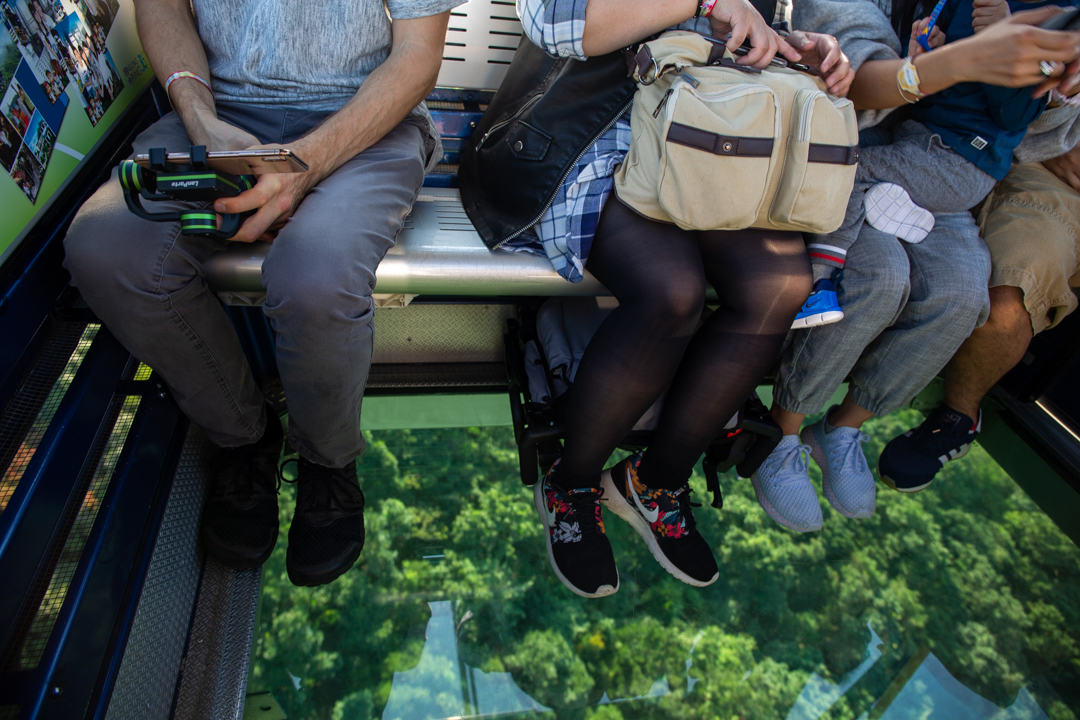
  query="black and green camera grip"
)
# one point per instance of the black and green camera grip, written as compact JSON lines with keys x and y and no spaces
{"x":191,"y":182}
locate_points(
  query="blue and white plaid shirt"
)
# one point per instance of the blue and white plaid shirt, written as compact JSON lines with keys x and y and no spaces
{"x":565,"y":233}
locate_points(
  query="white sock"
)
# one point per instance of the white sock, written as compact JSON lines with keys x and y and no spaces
{"x":891,"y":210}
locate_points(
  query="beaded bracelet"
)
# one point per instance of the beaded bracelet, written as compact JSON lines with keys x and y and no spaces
{"x":185,"y":74}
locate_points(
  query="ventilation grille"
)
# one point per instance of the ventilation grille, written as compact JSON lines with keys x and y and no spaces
{"x":480,"y":44}
{"x":449,"y":213}
{"x":52,"y":583}
{"x":31,"y":410}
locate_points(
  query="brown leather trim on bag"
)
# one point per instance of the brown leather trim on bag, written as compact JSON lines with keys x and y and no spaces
{"x":719,"y":144}
{"x":833,"y":154}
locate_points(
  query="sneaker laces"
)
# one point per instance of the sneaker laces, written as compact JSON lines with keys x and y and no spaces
{"x":933,"y":437}
{"x":854,"y":457}
{"x":239,"y":464}
{"x":798,"y":460}
{"x":585,"y":506}
{"x":323,"y":488}
{"x":685,"y":506}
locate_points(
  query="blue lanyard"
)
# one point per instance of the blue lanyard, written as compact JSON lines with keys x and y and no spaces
{"x":924,"y":36}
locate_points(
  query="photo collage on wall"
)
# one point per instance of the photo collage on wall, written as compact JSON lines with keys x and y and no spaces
{"x":48,"y":45}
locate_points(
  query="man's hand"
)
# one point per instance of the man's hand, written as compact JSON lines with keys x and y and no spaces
{"x":822,"y":52}
{"x":384,"y":100}
{"x":1066,"y":167}
{"x":742,"y":21}
{"x":936,"y":40}
{"x":988,"y":12}
{"x":274,"y":198}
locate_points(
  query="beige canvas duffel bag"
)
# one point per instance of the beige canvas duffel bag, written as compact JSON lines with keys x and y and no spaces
{"x":717,"y":146}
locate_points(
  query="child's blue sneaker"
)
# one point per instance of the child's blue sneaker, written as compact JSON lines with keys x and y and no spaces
{"x":821,"y":308}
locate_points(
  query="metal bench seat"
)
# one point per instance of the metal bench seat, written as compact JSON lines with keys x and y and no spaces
{"x":438,"y":251}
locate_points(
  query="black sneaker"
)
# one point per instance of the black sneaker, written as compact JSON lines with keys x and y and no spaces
{"x":327,"y":532}
{"x":240,"y":522}
{"x":910,"y":462}
{"x":664,"y":519}
{"x":577,"y":547}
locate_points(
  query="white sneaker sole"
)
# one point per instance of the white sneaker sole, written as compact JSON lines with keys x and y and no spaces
{"x":540,"y":502}
{"x":618,"y":505}
{"x":891,"y":210}
{"x":775,"y":514}
{"x":809,"y":437}
{"x":825,"y":318}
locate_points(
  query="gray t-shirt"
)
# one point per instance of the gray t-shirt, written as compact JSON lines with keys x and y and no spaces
{"x":308,"y":54}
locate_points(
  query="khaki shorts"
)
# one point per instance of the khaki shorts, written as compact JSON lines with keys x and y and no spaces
{"x":1031,"y":223}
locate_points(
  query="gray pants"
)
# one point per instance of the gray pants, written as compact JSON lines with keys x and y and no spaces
{"x":146,"y":282}
{"x":907,"y":308}
{"x":912,"y":156}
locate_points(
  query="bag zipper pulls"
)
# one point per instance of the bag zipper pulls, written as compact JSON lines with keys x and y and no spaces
{"x":663,"y":101}
{"x":694,"y":83}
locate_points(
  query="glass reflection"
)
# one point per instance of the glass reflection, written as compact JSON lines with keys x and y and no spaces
{"x":961,"y":602}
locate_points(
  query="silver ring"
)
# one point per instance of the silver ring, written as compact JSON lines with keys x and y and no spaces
{"x":1046,"y":68}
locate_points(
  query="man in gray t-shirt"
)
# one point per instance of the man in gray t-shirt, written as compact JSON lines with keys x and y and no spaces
{"x":341,"y":84}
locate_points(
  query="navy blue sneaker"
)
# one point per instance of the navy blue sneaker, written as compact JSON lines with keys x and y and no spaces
{"x":910,"y":462}
{"x":821,"y":308}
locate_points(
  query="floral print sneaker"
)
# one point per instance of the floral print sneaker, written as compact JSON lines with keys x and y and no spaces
{"x":577,"y":547}
{"x":664,"y":520}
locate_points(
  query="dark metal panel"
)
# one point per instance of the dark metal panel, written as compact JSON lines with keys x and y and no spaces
{"x":30,"y":519}
{"x":84,"y":652}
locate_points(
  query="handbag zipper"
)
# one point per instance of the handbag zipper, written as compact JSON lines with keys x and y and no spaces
{"x":507,"y":121}
{"x":804,"y":121}
{"x":569,"y":169}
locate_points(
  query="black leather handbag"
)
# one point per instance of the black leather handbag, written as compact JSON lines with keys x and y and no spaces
{"x":546,"y":115}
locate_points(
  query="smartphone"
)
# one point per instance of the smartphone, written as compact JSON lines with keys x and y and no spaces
{"x":240,"y":162}
{"x":1068,"y":20}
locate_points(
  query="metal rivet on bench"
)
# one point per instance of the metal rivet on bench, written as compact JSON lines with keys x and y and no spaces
{"x":518,"y":146}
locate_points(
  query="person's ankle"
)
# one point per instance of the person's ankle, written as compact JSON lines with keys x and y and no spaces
{"x":836,"y":418}
{"x":968,"y":408}
{"x":565,"y":480}
{"x":658,"y":474}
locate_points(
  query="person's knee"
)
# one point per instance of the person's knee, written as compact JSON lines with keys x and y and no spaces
{"x":966,"y":299}
{"x":677,"y":304}
{"x":1009,"y":316}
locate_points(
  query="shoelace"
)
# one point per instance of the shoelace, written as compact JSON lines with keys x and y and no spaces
{"x":933,"y":437}
{"x":798,"y":459}
{"x":326,"y":487}
{"x":855,"y":457}
{"x":583,"y":507}
{"x":241,"y":485}
{"x":685,"y":505}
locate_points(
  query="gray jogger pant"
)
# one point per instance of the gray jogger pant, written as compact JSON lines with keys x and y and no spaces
{"x":147,"y":283}
{"x":907,"y":308}
{"x":912,"y":156}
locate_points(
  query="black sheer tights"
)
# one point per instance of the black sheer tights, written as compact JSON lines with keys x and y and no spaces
{"x":658,"y":273}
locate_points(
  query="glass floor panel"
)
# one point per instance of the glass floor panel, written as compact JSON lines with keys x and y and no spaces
{"x":961,"y":602}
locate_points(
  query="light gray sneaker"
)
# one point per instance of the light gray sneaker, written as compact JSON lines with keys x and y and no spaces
{"x":782,"y":485}
{"x":845,"y":477}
